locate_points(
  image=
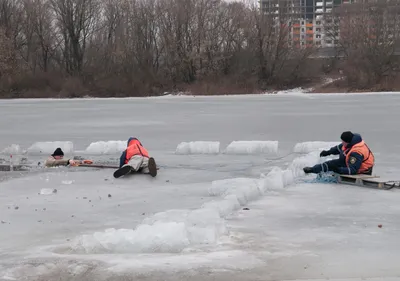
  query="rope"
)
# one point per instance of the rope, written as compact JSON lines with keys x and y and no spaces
{"x":280,"y":158}
{"x":327,"y":177}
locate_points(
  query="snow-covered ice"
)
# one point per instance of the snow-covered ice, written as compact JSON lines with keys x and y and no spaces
{"x":11,"y":149}
{"x":310,"y":146}
{"x":48,"y":147}
{"x":250,"y":214}
{"x":198,"y":147}
{"x":106,"y":147}
{"x":252,"y":147}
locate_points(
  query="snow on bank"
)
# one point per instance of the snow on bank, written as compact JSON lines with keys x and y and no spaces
{"x":310,"y":146}
{"x":165,"y":232}
{"x":294,"y":91}
{"x":198,"y":147}
{"x":252,"y":147}
{"x":49,"y":147}
{"x":106,"y":147}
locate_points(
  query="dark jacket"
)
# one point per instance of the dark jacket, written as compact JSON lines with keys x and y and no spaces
{"x":348,"y":168}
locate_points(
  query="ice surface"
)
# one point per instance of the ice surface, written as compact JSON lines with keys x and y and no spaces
{"x":310,"y":146}
{"x":198,"y":147}
{"x":49,"y":147}
{"x":252,"y":147}
{"x":106,"y":147}
{"x":249,"y":227}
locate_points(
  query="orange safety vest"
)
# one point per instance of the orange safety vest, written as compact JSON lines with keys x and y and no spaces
{"x":135,"y":148}
{"x":361,"y":148}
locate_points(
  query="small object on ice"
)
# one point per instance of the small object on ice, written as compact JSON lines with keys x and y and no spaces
{"x":68,"y":240}
{"x":35,"y":210}
{"x":246,"y":209}
{"x":85,"y":197}
{"x":39,"y":221}
{"x":3,"y":222}
{"x":380,"y":226}
{"x":44,"y":209}
{"x":47,"y":191}
{"x":106,"y":179}
{"x":27,"y":197}
{"x":167,"y":181}
{"x":67,"y":182}
{"x":90,"y":200}
{"x":109,"y":195}
{"x":143,"y":214}
{"x":72,"y":216}
{"x":16,"y":207}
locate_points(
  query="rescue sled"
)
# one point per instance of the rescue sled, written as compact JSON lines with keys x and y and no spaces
{"x":367,"y":181}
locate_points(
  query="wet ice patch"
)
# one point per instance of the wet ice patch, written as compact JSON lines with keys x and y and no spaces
{"x":252,"y":147}
{"x":198,"y":147}
{"x":49,"y":147}
{"x":310,"y":146}
{"x":106,"y":147}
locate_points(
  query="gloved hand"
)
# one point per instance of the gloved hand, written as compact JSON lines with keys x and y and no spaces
{"x":73,"y":162}
{"x":324,"y":153}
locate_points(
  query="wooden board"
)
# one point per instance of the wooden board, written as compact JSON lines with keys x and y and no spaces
{"x":359,"y":176}
{"x":366,"y":181}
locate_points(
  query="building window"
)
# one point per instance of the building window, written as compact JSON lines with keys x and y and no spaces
{"x":302,"y":30}
{"x":318,"y":43}
{"x":318,"y":22}
{"x":328,"y":41}
{"x":318,"y":36}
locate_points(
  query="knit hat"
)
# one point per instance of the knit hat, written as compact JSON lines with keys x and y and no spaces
{"x":58,"y":152}
{"x":347,"y":136}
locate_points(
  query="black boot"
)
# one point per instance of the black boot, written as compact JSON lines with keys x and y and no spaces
{"x":152,"y":167}
{"x":307,"y":170}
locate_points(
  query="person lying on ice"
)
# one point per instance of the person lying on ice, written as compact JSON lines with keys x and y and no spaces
{"x":135,"y":158}
{"x":56,"y":159}
{"x":354,"y":157}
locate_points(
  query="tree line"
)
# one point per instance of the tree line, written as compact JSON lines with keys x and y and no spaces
{"x":74,"y":48}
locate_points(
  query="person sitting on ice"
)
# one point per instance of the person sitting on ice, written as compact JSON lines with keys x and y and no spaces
{"x":135,"y":158}
{"x":355,"y":157}
{"x":56,"y":159}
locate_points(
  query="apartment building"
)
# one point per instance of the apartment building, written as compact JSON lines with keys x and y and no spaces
{"x":311,"y":21}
